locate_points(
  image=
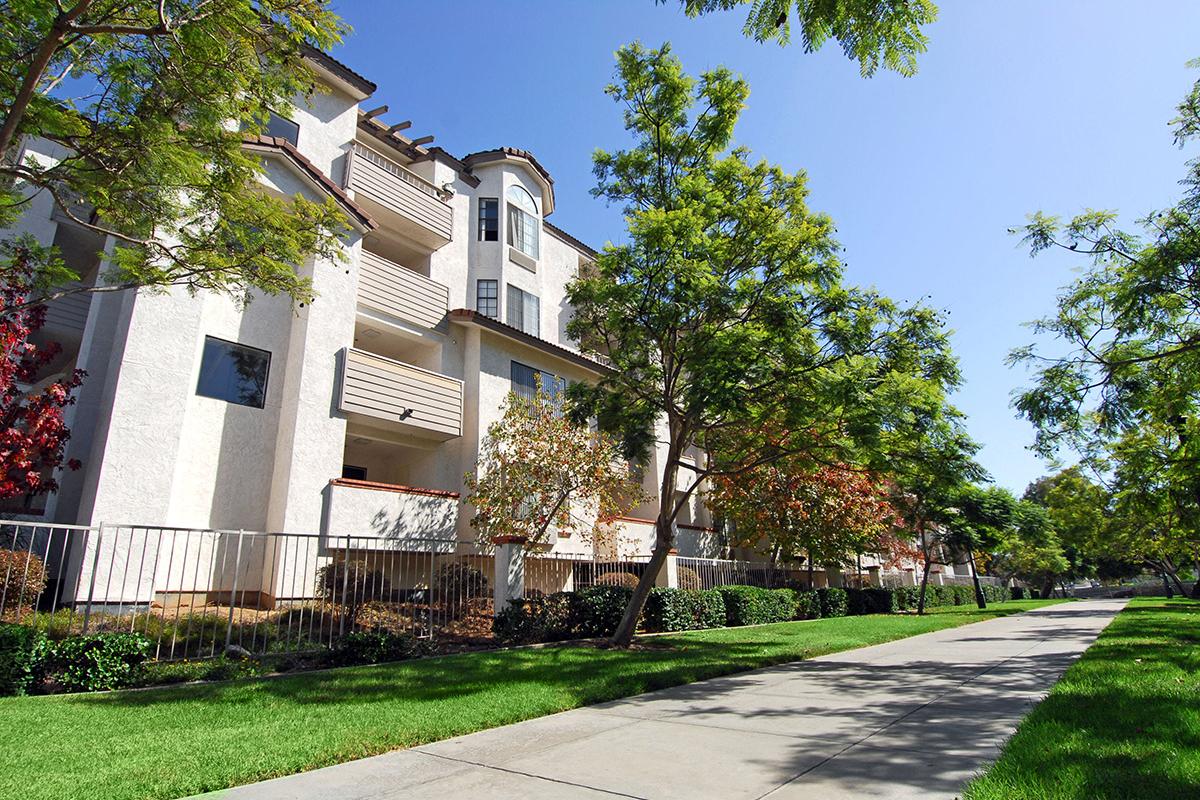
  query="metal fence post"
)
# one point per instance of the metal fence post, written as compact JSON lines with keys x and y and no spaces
{"x":87,"y":609}
{"x":345,"y":584}
{"x":237,"y":563}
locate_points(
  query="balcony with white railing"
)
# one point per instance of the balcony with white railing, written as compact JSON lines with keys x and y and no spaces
{"x":398,"y":198}
{"x":399,"y":396}
{"x":393,"y":289}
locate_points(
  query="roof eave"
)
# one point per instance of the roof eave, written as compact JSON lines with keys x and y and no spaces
{"x":468,"y":316}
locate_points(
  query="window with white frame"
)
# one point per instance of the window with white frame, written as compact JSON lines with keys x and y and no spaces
{"x":487,"y":298}
{"x":523,"y":311}
{"x":522,"y":221}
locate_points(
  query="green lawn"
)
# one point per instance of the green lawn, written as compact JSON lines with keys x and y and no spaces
{"x":175,"y":741}
{"x":1124,"y":721}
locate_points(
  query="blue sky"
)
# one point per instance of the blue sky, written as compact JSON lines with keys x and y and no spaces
{"x":1019,"y":105}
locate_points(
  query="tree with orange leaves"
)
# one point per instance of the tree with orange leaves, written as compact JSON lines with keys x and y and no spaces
{"x":825,"y":514}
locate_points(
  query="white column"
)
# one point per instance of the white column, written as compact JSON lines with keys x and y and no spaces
{"x":508,"y":582}
{"x":669,"y":574}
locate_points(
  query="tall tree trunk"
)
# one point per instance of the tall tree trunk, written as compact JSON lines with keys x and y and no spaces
{"x":664,"y":540}
{"x":1047,"y":588}
{"x":980,"y":600}
{"x":924,"y":584}
{"x":628,"y":627}
{"x":808,"y":558}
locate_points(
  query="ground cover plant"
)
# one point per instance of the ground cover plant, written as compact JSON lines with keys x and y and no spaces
{"x":1124,"y":721}
{"x":181,"y":740}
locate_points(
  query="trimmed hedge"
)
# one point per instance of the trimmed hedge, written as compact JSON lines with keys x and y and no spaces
{"x":23,"y":652}
{"x":683,"y":609}
{"x":751,"y":605}
{"x":596,"y":612}
{"x":77,"y":664}
{"x":591,"y":613}
{"x":600,"y":609}
{"x":906,"y":596}
{"x":870,"y":601}
{"x":833,"y":601}
{"x":808,"y":604}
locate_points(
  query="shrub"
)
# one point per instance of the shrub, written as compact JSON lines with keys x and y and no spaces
{"x":688,"y":578}
{"x":458,"y":581}
{"x":683,"y":609}
{"x":750,"y":605}
{"x":808,"y":605}
{"x":833,"y":601}
{"x":373,"y":647}
{"x":97,"y":661}
{"x":516,"y":623}
{"x":589,"y":613}
{"x":22,"y":658}
{"x":351,"y":583}
{"x":599,"y":610}
{"x":870,"y":601}
{"x":996,"y":594}
{"x":549,"y":618}
{"x":907,"y":596}
{"x":22,"y":579}
{"x":625,"y":579}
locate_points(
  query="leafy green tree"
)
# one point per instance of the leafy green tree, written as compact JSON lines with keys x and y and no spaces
{"x":1154,"y":518}
{"x":980,"y":520}
{"x":1079,"y":510}
{"x":146,"y":102}
{"x":930,"y":472}
{"x":875,"y":33}
{"x":1029,"y":549}
{"x":724,"y":315}
{"x":1125,"y":392}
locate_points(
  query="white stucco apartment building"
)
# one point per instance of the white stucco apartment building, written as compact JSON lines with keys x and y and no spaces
{"x":360,"y":413}
{"x":350,"y":421}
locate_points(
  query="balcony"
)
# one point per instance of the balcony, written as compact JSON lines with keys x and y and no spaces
{"x":400,"y":292}
{"x":398,"y":198}
{"x":403,"y":397}
{"x":369,"y":512}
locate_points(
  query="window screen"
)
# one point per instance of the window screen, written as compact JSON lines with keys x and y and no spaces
{"x":523,"y":311}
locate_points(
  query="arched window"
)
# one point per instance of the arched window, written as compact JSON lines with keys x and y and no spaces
{"x":522,"y":221}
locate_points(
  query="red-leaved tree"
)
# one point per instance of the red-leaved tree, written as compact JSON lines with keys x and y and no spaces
{"x":827,"y":514}
{"x":33,"y":434}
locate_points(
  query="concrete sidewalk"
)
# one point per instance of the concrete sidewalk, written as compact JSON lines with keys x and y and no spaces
{"x":906,"y":719}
